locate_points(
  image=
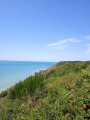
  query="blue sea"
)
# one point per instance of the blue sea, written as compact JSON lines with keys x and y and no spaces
{"x":12,"y":72}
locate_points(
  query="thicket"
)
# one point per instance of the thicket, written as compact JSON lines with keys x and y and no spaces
{"x":26,"y":87}
{"x":66,"y":98}
{"x":63,"y":94}
{"x":64,"y":68}
{"x":3,"y":94}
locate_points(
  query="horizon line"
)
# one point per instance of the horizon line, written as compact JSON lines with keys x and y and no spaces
{"x":42,"y":61}
{"x":27,"y":61}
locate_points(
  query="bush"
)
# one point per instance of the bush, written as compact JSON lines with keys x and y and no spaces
{"x":3,"y":94}
{"x":28,"y":86}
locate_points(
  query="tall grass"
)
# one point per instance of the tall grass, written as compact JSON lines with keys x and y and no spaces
{"x":28,"y":86}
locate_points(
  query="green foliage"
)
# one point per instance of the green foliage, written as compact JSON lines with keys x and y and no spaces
{"x":49,"y":74}
{"x":64,"y":68}
{"x":86,"y":74}
{"x":59,"y":95}
{"x":26,"y":87}
{"x":3,"y":94}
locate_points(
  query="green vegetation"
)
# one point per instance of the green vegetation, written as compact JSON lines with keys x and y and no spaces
{"x":26,"y":87}
{"x":62,"y":93}
{"x":3,"y":94}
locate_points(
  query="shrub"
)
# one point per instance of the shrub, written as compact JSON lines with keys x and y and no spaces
{"x":28,"y":86}
{"x":3,"y":94}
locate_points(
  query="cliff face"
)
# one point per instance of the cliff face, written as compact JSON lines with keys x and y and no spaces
{"x":62,"y":92}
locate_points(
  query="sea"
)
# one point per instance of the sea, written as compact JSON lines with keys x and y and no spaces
{"x":11,"y":72}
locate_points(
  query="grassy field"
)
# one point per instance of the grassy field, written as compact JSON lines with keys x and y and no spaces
{"x":62,"y":92}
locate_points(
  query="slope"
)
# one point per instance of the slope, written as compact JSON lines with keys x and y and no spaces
{"x":62,"y":92}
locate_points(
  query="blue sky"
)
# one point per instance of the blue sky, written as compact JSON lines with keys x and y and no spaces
{"x":44,"y":30}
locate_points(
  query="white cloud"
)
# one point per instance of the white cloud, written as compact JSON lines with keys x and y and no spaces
{"x":74,"y":40}
{"x":87,"y":37}
{"x":57,"y":43}
{"x":62,"y":44}
{"x":88,"y":45}
{"x":61,"y":47}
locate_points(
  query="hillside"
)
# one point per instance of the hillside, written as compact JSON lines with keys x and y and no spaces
{"x":62,"y":92}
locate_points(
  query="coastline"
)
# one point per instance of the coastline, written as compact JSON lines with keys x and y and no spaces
{"x":33,"y":73}
{"x":11,"y":87}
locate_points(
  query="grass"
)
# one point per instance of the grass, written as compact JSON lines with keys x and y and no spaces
{"x":26,"y":87}
{"x":62,"y":93}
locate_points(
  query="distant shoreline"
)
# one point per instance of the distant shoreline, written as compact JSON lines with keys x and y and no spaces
{"x":14,"y":71}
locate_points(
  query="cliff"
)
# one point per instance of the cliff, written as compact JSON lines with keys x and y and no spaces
{"x":62,"y":92}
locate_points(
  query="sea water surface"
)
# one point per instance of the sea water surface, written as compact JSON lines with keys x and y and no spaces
{"x":12,"y":72}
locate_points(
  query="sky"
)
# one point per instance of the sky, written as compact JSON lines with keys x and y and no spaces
{"x":45,"y":30}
